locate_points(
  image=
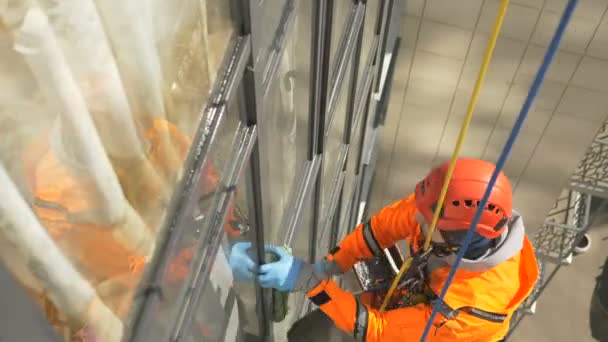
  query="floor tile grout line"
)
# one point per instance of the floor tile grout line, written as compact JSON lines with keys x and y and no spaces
{"x":511,"y":83}
{"x":407,"y":83}
{"x":502,"y":36}
{"x":558,"y":104}
{"x":453,"y":99}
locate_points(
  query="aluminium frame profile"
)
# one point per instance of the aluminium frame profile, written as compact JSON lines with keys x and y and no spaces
{"x":256,"y":86}
{"x":350,"y":124}
{"x":363,"y":94}
{"x":322,"y":22}
{"x":368,"y":107}
{"x":336,"y":190}
{"x":286,"y":24}
{"x":151,"y":289}
{"x":348,"y":40}
{"x":368,"y":130}
{"x":207,"y":247}
{"x":301,"y":191}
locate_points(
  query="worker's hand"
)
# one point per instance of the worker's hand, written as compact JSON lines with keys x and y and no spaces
{"x":282,"y":274}
{"x":243,"y":267}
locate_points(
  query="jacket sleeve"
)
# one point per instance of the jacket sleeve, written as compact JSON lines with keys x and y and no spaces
{"x":351,"y":315}
{"x":391,"y":224}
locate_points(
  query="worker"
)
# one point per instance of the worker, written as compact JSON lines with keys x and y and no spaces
{"x":497,"y":273}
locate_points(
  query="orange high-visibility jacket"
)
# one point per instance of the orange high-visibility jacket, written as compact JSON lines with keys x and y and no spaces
{"x":480,"y":301}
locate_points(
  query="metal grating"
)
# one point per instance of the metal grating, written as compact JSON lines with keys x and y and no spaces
{"x":591,"y":174}
{"x":554,"y":242}
{"x":568,"y":217}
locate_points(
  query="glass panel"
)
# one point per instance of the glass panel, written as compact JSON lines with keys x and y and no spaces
{"x":192,"y":37}
{"x":283,"y":125}
{"x":299,"y":248}
{"x":266,"y":16}
{"x":193,"y":226}
{"x":350,"y":179}
{"x":334,"y":140}
{"x":227,"y":309}
{"x":341,"y":13}
{"x":371,"y":16}
{"x":95,"y":137}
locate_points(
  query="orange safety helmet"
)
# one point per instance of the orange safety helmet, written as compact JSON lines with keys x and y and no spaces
{"x":467,"y":186}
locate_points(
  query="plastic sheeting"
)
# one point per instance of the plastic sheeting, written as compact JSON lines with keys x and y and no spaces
{"x":98,"y":102}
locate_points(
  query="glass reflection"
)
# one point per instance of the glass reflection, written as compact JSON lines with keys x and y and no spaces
{"x":192,"y":228}
{"x":369,"y":31}
{"x":227,"y":309}
{"x":283,"y":125}
{"x":334,"y":140}
{"x":300,"y":248}
{"x":341,"y":11}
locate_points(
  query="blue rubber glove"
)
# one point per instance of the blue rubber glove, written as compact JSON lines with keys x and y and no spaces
{"x":243,"y":267}
{"x":282,"y":274}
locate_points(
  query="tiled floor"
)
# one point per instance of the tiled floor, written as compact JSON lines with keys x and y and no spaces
{"x":436,"y":69}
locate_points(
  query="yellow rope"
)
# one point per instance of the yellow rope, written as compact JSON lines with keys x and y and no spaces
{"x":463,"y":131}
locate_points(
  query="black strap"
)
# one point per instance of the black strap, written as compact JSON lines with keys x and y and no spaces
{"x":320,"y":298}
{"x":450,"y":313}
{"x":488,"y":316}
{"x":361,"y":320}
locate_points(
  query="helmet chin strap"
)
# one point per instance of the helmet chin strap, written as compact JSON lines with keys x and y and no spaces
{"x":438,"y":243}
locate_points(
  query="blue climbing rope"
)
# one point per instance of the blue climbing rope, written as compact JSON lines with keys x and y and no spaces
{"x":538,"y":81}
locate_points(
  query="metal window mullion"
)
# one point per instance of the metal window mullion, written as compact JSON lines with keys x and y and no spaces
{"x":319,"y":69}
{"x":367,"y":131}
{"x":255,"y":200}
{"x":348,"y":40}
{"x":354,"y":82}
{"x":320,"y":63}
{"x":300,"y":192}
{"x":335,"y":225}
{"x":359,"y":162}
{"x":368,"y":77}
{"x":178,"y":209}
{"x":278,"y":46}
{"x":228,"y":309}
{"x":384,"y":22}
{"x":249,"y":114}
{"x":367,"y":181}
{"x":336,"y":190}
{"x":382,"y":109}
{"x":207,"y":247}
{"x":350,"y":122}
{"x":330,"y":213}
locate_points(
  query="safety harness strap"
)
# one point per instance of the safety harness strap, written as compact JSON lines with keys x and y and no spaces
{"x":362,"y":317}
{"x":370,"y":239}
